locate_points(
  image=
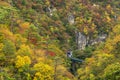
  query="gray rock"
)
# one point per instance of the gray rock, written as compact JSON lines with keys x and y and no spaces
{"x":83,"y":41}
{"x":71,"y":19}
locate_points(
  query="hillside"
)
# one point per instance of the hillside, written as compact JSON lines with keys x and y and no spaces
{"x":35,"y":36}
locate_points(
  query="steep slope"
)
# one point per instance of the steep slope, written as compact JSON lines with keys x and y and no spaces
{"x":36,"y":34}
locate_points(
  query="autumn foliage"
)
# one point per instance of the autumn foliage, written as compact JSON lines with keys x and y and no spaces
{"x":36,"y":34}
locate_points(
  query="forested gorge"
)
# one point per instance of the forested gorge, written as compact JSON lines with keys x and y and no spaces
{"x":35,"y":36}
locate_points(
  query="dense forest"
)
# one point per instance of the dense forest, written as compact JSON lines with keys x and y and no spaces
{"x":35,"y":36}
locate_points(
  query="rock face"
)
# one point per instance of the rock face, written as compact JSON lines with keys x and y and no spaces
{"x":71,"y":19}
{"x":100,"y":38}
{"x":83,"y":41}
{"x":50,"y":10}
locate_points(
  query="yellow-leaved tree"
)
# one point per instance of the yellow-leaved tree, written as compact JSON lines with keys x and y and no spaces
{"x":22,"y":61}
{"x":43,"y":71}
{"x":24,"y":50}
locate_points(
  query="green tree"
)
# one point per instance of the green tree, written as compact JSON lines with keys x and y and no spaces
{"x":112,"y":72}
{"x":9,"y":47}
{"x":24,"y":2}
